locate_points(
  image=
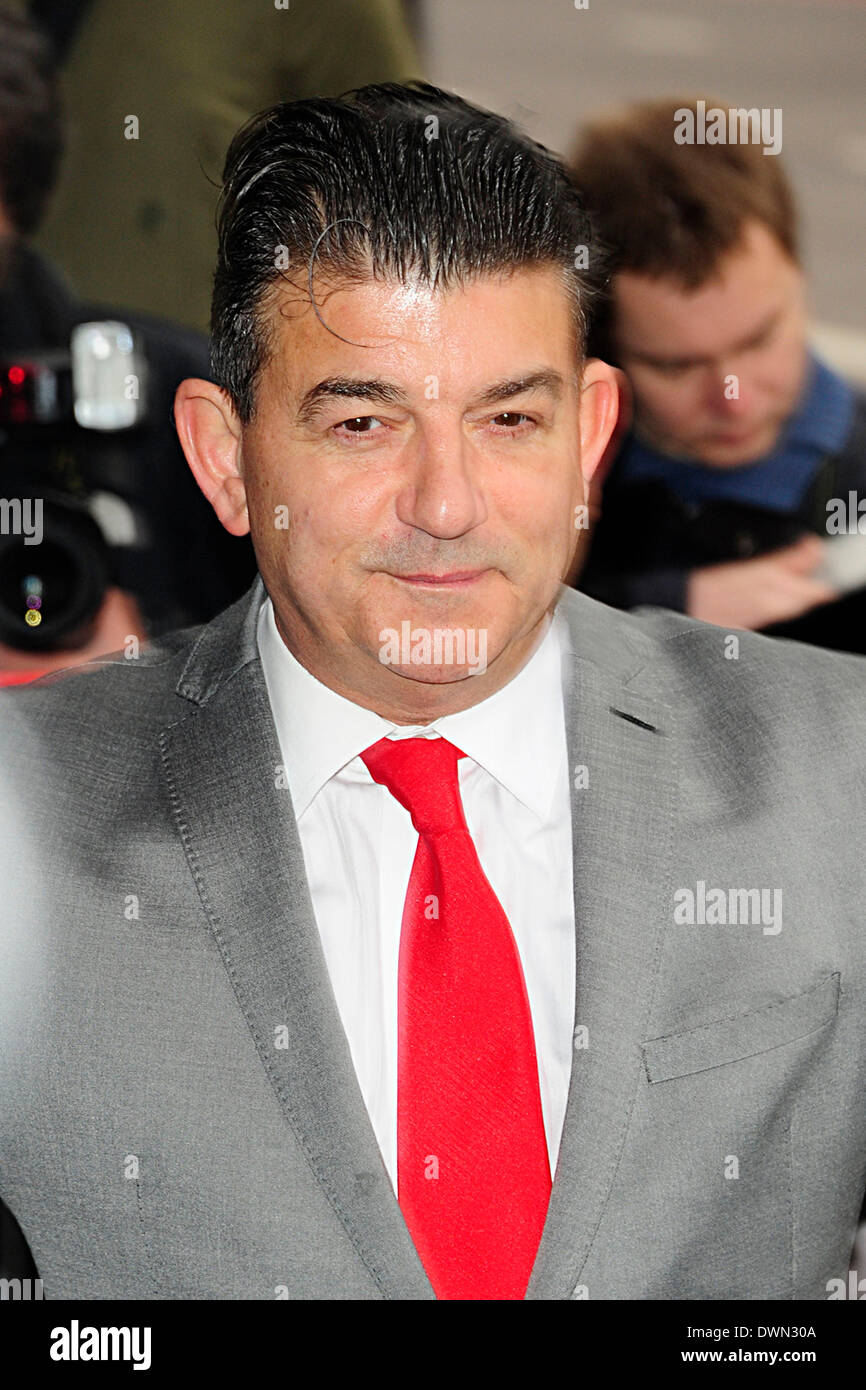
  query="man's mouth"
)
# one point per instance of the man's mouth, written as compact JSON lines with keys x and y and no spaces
{"x":741,"y":438}
{"x":454,"y":578}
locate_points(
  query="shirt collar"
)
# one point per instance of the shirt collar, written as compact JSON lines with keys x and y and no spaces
{"x":517,"y":734}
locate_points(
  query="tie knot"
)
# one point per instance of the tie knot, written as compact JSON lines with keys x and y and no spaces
{"x":422,"y":774}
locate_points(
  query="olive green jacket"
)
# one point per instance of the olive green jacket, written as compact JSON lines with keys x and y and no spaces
{"x":132,"y":222}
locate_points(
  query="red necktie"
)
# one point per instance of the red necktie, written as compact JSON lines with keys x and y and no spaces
{"x":473,"y":1175}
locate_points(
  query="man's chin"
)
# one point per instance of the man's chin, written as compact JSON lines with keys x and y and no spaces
{"x":437,"y":675}
{"x":434,"y":654}
{"x":737,"y":451}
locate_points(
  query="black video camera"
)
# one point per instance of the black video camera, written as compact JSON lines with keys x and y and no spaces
{"x":69,"y":520}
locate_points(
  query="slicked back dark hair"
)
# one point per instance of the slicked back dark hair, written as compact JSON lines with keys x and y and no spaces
{"x":386,"y":182}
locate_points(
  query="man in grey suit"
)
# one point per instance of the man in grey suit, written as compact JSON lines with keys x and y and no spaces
{"x":420,"y":927}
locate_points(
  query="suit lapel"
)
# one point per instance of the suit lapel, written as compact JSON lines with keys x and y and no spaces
{"x":622,"y":823}
{"x":241,"y":840}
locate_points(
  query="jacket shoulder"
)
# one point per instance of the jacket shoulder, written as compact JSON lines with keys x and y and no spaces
{"x":668,"y":653}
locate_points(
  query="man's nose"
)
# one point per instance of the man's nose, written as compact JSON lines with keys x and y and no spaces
{"x":442,"y":494}
{"x":729,"y":392}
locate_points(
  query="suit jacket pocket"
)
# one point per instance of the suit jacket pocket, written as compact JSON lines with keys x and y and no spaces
{"x":743,"y":1035}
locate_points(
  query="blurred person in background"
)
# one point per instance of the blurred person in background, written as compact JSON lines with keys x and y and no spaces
{"x":714,"y":499}
{"x":154,"y":93}
{"x":130,"y":548}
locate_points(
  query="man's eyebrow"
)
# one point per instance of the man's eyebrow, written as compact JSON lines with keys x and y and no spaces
{"x":351,"y":388}
{"x":545,"y":379}
{"x":386,"y":393}
{"x":651,"y":360}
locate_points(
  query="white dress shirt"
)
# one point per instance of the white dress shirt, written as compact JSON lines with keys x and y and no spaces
{"x":359,"y":843}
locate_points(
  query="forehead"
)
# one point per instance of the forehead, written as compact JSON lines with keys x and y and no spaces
{"x":464,"y":335}
{"x":756,"y":278}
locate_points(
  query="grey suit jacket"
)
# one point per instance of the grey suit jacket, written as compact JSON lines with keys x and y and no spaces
{"x":179,"y":1114}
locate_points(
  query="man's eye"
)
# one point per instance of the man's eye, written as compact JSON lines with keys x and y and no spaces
{"x":762,"y":340}
{"x":359,"y":424}
{"x":511,"y":420}
{"x":673,"y":368}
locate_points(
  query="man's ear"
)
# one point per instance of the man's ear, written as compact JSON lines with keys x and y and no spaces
{"x":603,"y":391}
{"x":210,"y":434}
{"x":615,"y":443}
